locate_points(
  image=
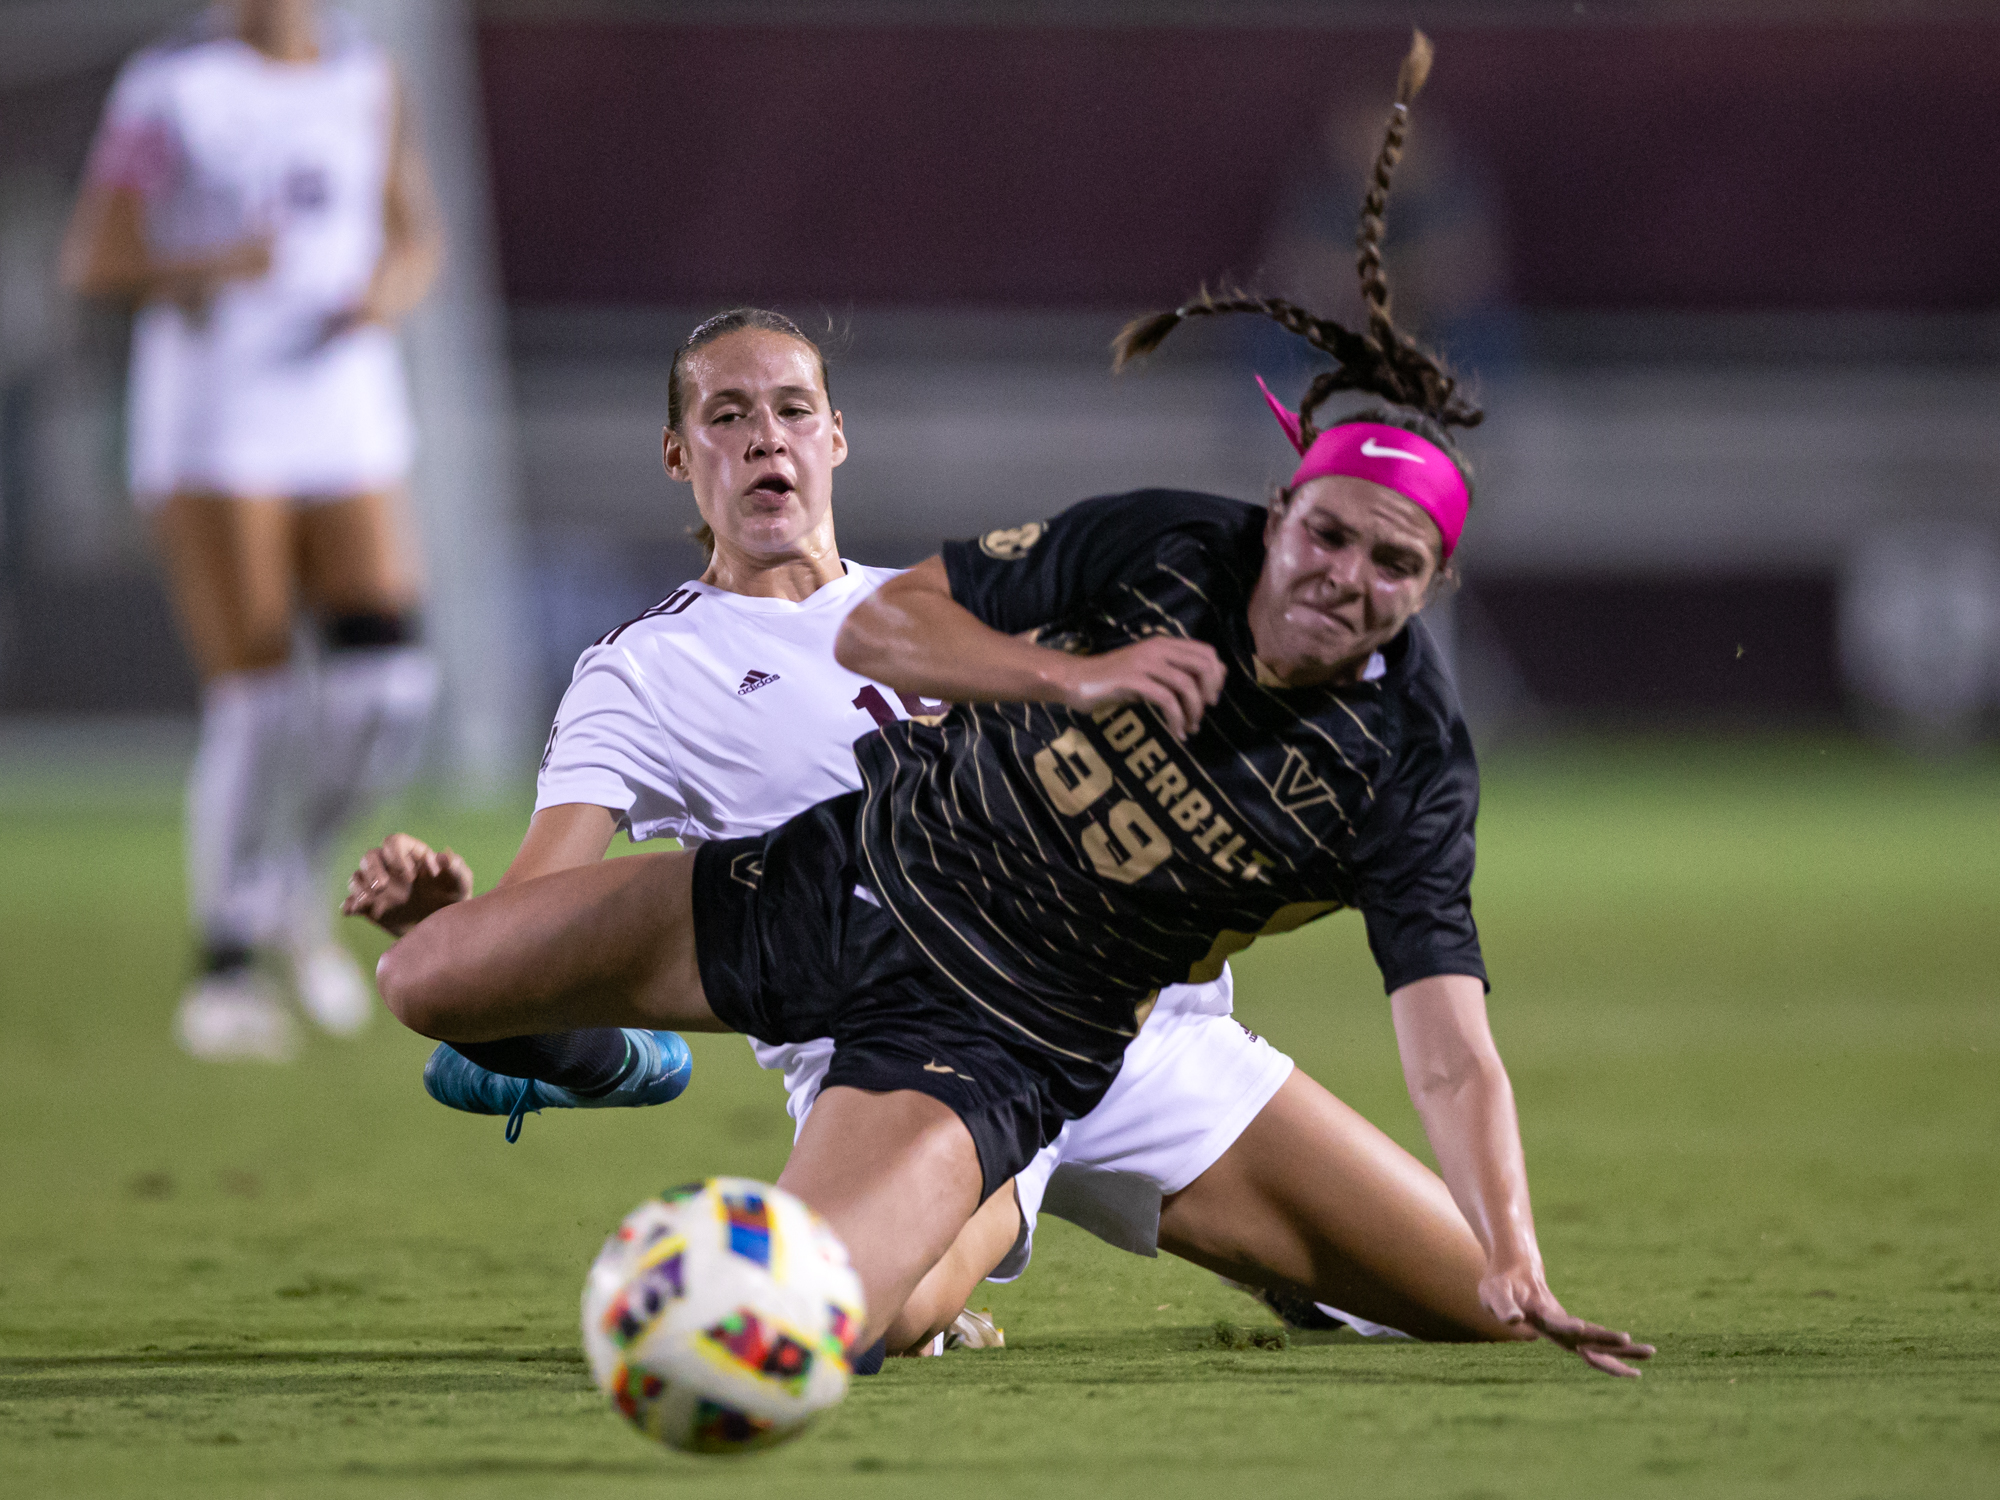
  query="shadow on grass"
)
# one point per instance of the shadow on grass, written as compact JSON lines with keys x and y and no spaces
{"x":290,"y":1372}
{"x":496,"y":1467}
{"x":27,"y":1364}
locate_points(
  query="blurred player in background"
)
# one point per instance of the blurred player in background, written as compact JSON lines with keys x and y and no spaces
{"x":255,"y":190}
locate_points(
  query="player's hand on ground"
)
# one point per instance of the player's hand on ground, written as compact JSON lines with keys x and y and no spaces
{"x":1181,"y":679}
{"x":1518,"y":1298}
{"x":403,"y":880}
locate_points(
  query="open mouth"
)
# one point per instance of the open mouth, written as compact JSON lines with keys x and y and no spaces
{"x":772,"y":484}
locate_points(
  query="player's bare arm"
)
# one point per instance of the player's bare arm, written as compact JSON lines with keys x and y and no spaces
{"x":1461,"y":1090}
{"x":105,"y":254}
{"x":914,"y":637}
{"x":412,"y":234}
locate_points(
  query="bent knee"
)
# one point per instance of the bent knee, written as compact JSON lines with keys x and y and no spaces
{"x":415,"y":986}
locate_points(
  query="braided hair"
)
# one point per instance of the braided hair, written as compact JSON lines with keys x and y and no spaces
{"x":1383,"y":361}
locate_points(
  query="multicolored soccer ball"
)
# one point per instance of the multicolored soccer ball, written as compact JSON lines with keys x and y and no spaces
{"x":721,"y":1316}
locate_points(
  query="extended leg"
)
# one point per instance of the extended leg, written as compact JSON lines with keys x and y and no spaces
{"x":897,"y":1176}
{"x":1313,"y":1197}
{"x":602,"y":945}
{"x":941,"y":1296}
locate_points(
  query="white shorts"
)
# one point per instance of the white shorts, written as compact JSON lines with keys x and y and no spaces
{"x":245,"y":405}
{"x":1193,"y":1080}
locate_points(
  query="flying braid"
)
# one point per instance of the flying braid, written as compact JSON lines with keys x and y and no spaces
{"x":1384,"y":361}
{"x":1368,"y":238}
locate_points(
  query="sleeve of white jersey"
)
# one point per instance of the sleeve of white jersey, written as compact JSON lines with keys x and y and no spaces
{"x":609,"y":749}
{"x":137,"y":144}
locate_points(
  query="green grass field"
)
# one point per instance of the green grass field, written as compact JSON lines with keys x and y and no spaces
{"x":1747,"y":991}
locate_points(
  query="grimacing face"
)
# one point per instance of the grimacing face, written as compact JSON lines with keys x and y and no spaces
{"x":1346,"y":563}
{"x":759,"y":441}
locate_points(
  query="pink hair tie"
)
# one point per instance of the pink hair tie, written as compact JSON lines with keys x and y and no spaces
{"x":1393,"y":457}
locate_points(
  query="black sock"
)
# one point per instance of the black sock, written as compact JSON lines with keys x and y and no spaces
{"x":362,"y":630}
{"x":589,"y":1063}
{"x":869,"y":1360}
{"x":224,"y":958}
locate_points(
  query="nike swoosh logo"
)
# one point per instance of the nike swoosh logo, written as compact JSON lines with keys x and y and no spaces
{"x":931,"y":1067}
{"x":1372,"y":449}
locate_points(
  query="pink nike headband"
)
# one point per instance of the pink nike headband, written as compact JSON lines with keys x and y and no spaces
{"x":1393,"y":457}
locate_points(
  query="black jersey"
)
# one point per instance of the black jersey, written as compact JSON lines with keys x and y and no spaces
{"x":1060,"y":866}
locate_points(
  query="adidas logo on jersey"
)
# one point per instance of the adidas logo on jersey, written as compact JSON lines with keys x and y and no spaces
{"x":754,"y":680}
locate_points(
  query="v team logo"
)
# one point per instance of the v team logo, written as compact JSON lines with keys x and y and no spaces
{"x":1372,"y":449}
{"x":753,"y":680}
{"x":1297,"y":787}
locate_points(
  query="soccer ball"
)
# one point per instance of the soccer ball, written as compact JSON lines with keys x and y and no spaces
{"x":721,"y":1316}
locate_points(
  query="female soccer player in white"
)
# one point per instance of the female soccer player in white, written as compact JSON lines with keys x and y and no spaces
{"x":1229,"y":722}
{"x":256,"y":191}
{"x":722,"y":712}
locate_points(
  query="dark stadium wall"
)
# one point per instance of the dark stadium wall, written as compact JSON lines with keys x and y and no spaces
{"x":1671,"y":169}
{"x":1690,"y":169}
{"x":1644,"y":650}
{"x":1684,"y":167}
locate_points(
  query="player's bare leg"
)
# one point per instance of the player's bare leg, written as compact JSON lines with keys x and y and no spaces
{"x":1313,"y":1195}
{"x":228,"y":563}
{"x":355,"y":554}
{"x":897,"y":1176}
{"x":229,"y":569}
{"x":606,"y":945}
{"x":942,"y":1295}
{"x":552,"y":992}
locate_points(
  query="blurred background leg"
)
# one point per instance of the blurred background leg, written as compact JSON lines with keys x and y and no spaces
{"x":229,"y":565}
{"x":366,"y":717}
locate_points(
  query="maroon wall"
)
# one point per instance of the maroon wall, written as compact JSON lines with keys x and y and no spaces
{"x":1706,"y":167}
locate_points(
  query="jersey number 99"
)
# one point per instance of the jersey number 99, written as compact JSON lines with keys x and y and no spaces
{"x":1128,"y":845}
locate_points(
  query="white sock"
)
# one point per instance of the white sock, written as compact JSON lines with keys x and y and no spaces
{"x":370,"y":709}
{"x":241,"y":815}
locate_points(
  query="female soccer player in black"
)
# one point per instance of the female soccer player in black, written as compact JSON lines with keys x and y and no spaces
{"x":1228,"y":723}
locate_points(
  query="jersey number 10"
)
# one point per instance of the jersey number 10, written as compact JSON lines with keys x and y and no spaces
{"x":870,"y":701}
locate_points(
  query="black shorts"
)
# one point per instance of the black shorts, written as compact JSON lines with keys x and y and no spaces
{"x":790,"y":949}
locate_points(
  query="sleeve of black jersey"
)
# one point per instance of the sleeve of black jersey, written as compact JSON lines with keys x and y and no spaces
{"x":1415,"y":855}
{"x":1021,"y":577}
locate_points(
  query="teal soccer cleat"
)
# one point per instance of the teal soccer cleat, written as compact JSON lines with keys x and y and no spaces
{"x":658,"y":1068}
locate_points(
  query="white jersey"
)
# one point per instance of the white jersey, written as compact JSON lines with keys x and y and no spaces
{"x":718,"y":715}
{"x":223,"y":144}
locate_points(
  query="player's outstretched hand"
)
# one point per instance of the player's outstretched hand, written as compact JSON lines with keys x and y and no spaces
{"x":403,"y":880}
{"x":1180,"y":678}
{"x":1517,"y":1298}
